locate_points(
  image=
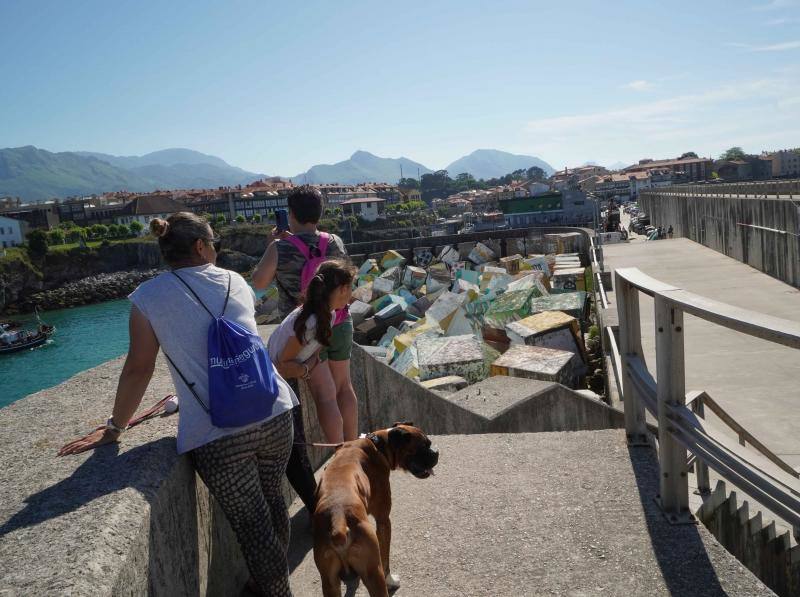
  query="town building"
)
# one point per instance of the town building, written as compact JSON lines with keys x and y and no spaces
{"x":369,"y":208}
{"x":567,"y":207}
{"x":785,"y":163}
{"x":12,"y":232}
{"x":690,"y":169}
{"x":410,"y":195}
{"x":145,"y":208}
{"x":87,"y":211}
{"x":36,"y":215}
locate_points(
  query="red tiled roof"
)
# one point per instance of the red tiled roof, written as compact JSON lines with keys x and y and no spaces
{"x":152,"y":204}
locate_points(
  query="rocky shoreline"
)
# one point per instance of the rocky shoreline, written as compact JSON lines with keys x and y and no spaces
{"x":86,"y":291}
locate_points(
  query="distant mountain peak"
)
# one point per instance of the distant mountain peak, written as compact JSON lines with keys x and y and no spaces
{"x":493,"y":163}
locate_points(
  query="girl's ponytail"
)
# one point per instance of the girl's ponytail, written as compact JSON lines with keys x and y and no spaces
{"x":332,"y":274}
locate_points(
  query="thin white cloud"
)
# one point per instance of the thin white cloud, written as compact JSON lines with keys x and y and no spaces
{"x":781,"y":47}
{"x":753,"y":113}
{"x":640,"y":85}
{"x":775,"y":5}
{"x":781,"y":21}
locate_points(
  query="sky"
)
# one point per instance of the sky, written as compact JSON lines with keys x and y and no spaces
{"x":275,"y":87}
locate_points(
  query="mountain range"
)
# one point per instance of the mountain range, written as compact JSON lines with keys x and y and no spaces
{"x":36,"y":174}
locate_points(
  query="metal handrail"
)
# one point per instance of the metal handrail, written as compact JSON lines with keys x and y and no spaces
{"x":761,"y":474}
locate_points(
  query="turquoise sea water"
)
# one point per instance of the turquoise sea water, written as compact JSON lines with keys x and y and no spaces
{"x":85,"y":337}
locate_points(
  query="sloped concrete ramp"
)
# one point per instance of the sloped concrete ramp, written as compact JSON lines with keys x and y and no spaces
{"x":541,"y":514}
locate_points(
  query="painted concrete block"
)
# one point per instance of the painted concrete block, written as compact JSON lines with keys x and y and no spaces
{"x":406,"y":339}
{"x":414,"y":277}
{"x":569,"y":279}
{"x":571,"y":303}
{"x":364,"y":293}
{"x":536,"y":362}
{"x":511,"y":263}
{"x":407,"y":296}
{"x":464,"y":249}
{"x":530,"y":280}
{"x":481,"y":254}
{"x":469,"y":275}
{"x":423,"y":256}
{"x":389,"y":311}
{"x":457,"y":355}
{"x":462,"y":285}
{"x":444,"y":308}
{"x":419,"y":307}
{"x":388,"y":336}
{"x":392,"y":258}
{"x":539,"y":263}
{"x":407,"y":362}
{"x":448,"y":255}
{"x":381,"y":302}
{"x":509,"y":306}
{"x":449,"y":384}
{"x":551,"y":329}
{"x":381,"y":286}
{"x":370,"y":266}
{"x":359,"y":311}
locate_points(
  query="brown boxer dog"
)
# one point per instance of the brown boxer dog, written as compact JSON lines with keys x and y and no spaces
{"x":354,"y":485}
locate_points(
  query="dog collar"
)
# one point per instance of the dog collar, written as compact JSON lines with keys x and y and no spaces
{"x":378,"y":443}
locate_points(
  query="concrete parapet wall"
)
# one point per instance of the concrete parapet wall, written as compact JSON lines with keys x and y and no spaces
{"x":133,"y":518}
{"x":771,"y":558}
{"x":763,"y":233}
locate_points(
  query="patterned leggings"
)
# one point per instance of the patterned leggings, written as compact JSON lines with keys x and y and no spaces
{"x":244,"y":472}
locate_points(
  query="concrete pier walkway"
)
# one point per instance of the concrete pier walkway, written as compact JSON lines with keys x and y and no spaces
{"x":541,"y":514}
{"x":757,"y":382}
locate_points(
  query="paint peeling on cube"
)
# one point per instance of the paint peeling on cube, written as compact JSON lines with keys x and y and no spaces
{"x":536,"y":362}
{"x":456,"y":355}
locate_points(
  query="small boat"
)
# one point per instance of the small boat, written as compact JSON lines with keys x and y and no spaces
{"x":14,"y":338}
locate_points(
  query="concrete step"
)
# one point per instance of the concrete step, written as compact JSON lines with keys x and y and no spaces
{"x":541,"y":514}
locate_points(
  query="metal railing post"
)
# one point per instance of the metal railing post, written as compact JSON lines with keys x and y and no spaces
{"x":630,"y":338}
{"x":671,"y":391}
{"x":700,"y":467}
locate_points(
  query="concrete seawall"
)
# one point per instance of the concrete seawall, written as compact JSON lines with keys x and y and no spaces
{"x":763,"y":233}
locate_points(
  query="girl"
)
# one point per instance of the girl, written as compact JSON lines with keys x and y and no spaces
{"x":294,"y":347}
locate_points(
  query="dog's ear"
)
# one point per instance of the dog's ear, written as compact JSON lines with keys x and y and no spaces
{"x":398,"y":437}
{"x":409,"y":423}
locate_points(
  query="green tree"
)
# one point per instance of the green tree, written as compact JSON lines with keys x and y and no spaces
{"x":208,"y":217}
{"x":99,"y":230}
{"x":408,"y":183}
{"x":114,"y":231}
{"x":136,"y":227}
{"x":37,"y":242}
{"x":257,"y":218}
{"x":55,"y":237}
{"x":687,"y":155}
{"x":68,"y":225}
{"x":734,"y":153}
{"x":240,"y":219}
{"x":219,"y":220}
{"x":535,"y":173}
{"x":74,"y":235}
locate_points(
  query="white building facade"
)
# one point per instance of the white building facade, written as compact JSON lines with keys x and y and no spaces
{"x":12,"y":232}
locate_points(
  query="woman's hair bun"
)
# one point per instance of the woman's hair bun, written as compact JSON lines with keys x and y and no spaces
{"x":159,"y":227}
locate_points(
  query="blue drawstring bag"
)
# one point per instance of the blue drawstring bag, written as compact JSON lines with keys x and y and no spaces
{"x":241,"y":380}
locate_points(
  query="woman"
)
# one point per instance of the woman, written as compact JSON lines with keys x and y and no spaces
{"x":242,"y":466}
{"x":295,"y":346}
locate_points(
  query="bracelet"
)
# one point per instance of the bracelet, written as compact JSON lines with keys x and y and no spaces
{"x":111,"y":426}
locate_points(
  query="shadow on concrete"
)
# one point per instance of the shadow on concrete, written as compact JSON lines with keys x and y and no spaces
{"x":104,"y":472}
{"x":301,"y":542}
{"x":679,"y":549}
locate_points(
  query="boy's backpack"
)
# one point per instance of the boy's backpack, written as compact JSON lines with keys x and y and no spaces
{"x":314,"y":257}
{"x":241,"y":380}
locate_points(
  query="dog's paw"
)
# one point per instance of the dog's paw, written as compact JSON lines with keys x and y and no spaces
{"x":392,"y":582}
